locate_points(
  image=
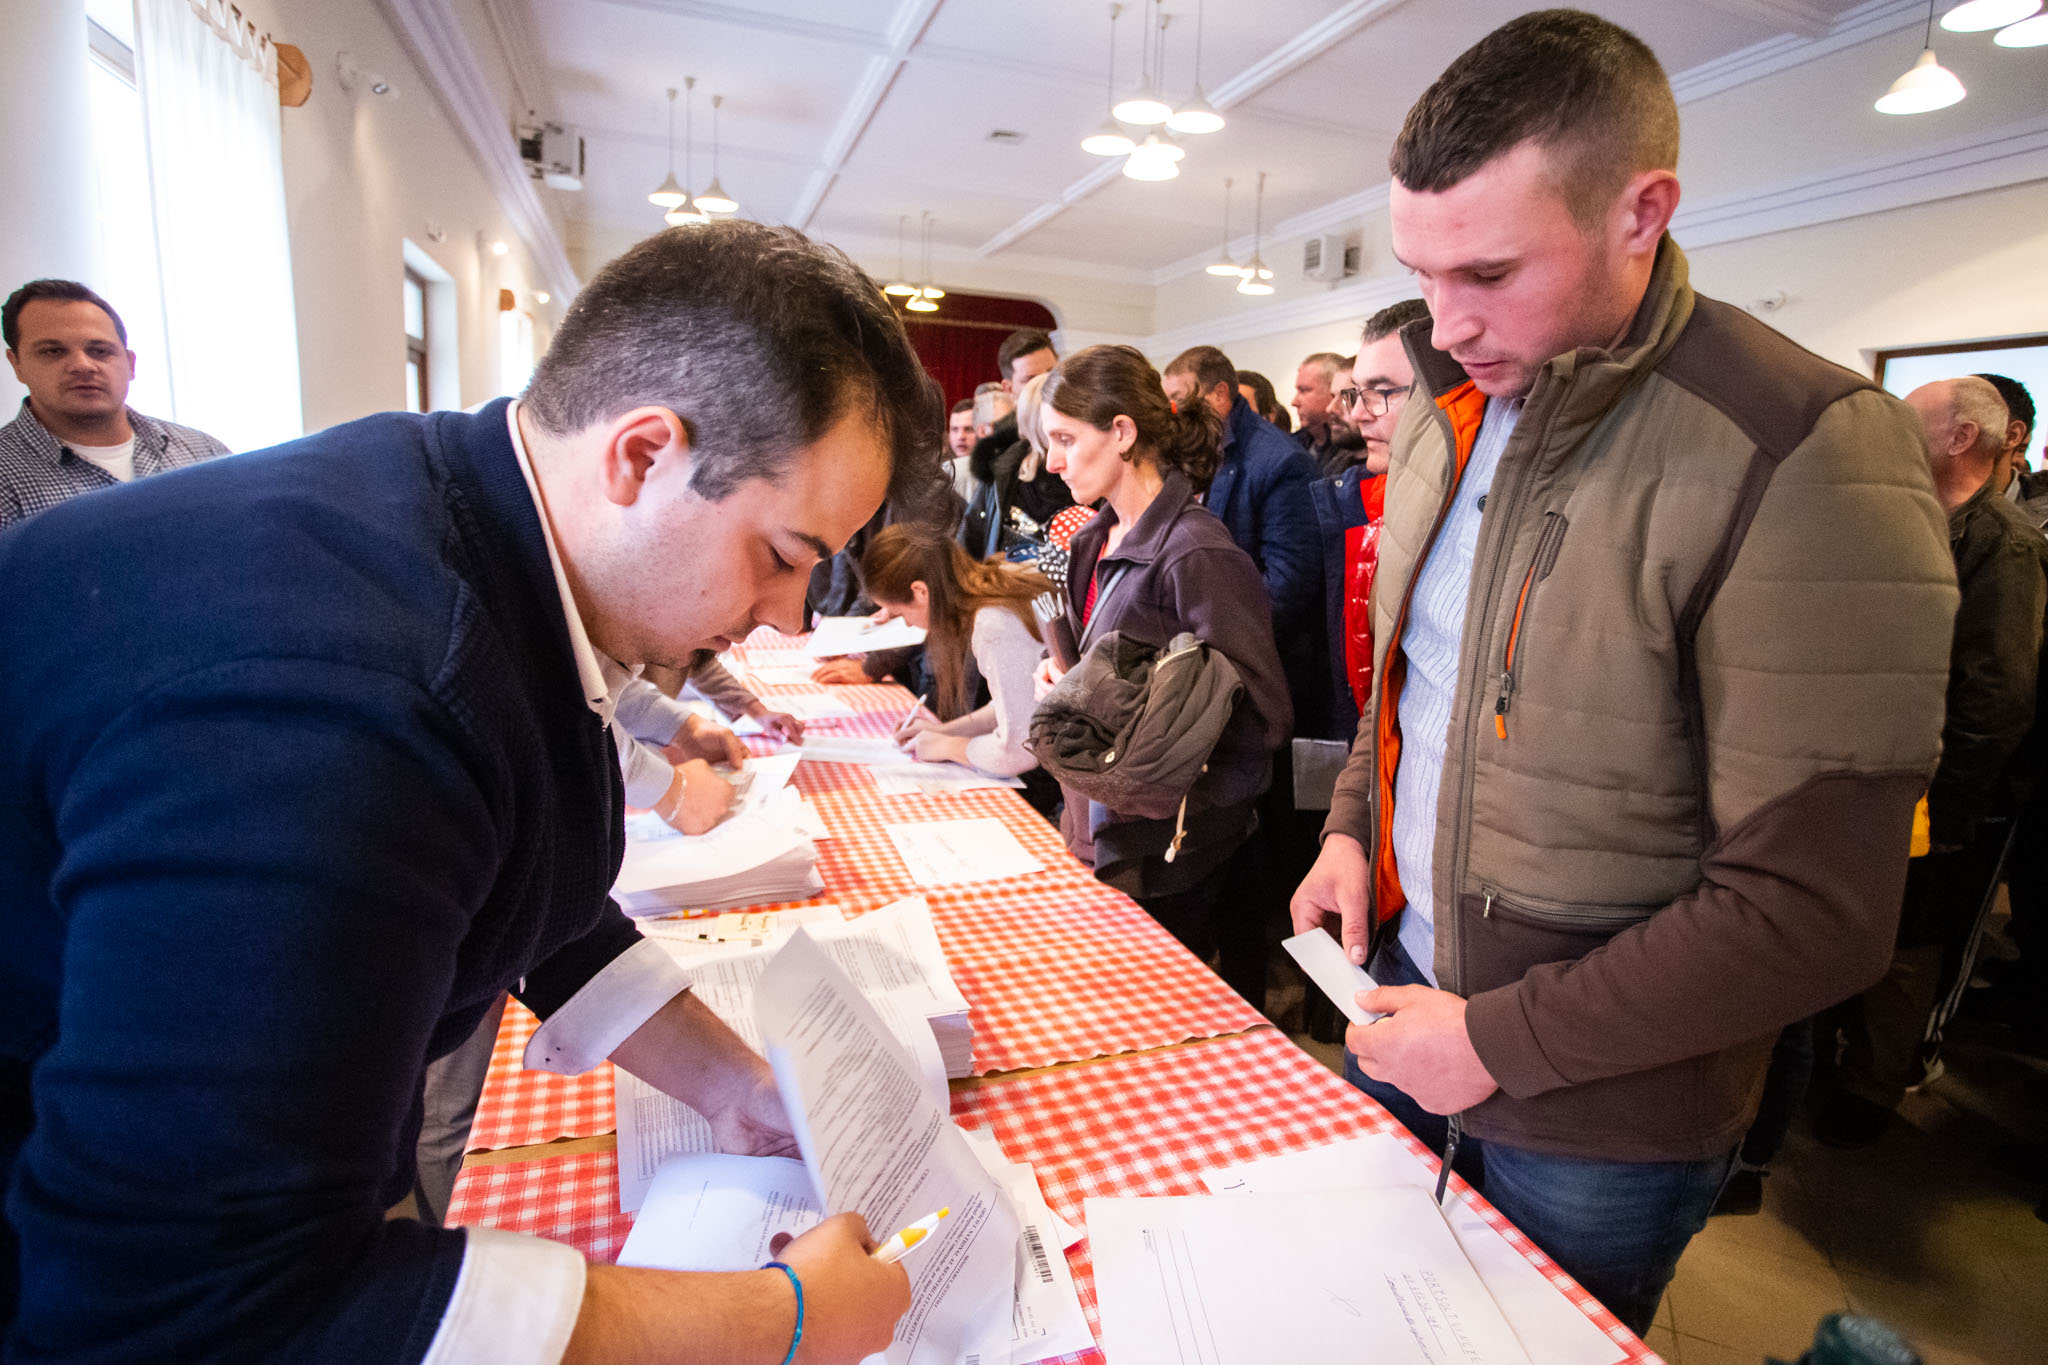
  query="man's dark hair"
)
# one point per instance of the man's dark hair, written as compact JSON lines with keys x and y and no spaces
{"x":1588,"y":91}
{"x":1208,"y":365}
{"x":58,"y":291}
{"x":1264,"y":400}
{"x":1023,"y":341}
{"x":758,"y":338}
{"x":1392,"y":319}
{"x":2018,"y":402}
{"x":964,"y":405}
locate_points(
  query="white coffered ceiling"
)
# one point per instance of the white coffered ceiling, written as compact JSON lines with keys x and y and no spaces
{"x":840,"y":117}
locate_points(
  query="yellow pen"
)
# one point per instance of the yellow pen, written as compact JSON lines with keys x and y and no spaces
{"x":893,"y":1250}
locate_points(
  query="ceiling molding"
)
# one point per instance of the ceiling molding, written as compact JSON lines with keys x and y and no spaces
{"x":1792,"y":16}
{"x":1986,"y":160}
{"x":2013,"y":154}
{"x":785,"y":25}
{"x":1877,"y":19}
{"x":1297,"y":51}
{"x":911,"y":20}
{"x":433,"y":38}
{"x":511,"y":24}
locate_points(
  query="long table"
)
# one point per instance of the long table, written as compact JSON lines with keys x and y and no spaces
{"x":1105,"y":1054}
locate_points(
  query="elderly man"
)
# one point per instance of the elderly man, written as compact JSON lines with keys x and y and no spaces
{"x":1987,"y":766}
{"x":76,"y":432}
{"x":1605,"y":831}
{"x":311,"y":757}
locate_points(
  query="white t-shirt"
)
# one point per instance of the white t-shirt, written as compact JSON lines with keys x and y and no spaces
{"x":118,"y":461}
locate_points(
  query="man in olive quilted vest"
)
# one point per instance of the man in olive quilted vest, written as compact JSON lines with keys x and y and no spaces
{"x":1661,"y":636}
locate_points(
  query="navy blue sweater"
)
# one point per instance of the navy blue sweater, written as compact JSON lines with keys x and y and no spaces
{"x":302,"y":776}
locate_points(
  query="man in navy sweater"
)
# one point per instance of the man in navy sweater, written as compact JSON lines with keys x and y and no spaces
{"x":308,"y":761}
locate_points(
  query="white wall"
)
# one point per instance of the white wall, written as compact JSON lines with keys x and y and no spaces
{"x":1959,"y":269}
{"x":362,"y":175}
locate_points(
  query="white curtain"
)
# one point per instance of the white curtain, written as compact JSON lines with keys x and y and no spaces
{"x":216,"y":170}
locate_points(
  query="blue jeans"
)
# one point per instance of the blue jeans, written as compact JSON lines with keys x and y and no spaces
{"x":1617,"y":1227}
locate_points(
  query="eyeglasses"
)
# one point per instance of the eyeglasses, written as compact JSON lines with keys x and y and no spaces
{"x":1372,"y":402}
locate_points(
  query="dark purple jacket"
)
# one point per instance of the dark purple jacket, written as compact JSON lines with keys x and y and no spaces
{"x":1179,"y":570}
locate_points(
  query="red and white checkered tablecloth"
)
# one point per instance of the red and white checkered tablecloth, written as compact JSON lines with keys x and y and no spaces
{"x":1132,"y":1126}
{"x":569,"y":1199}
{"x":519,"y":1107}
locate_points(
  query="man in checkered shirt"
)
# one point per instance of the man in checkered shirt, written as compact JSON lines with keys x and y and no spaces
{"x":76,"y":432}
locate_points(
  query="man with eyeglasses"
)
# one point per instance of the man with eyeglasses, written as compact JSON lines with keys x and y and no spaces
{"x":1381,"y":377}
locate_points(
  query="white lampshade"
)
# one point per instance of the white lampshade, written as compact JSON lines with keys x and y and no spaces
{"x":2026,"y":33}
{"x":1254,"y":281}
{"x":1196,"y":116}
{"x":922,"y":305}
{"x":1927,"y":85}
{"x":1108,"y":140}
{"x":686,"y":214}
{"x":1154,"y":159}
{"x":668,"y":194}
{"x":902,"y":289}
{"x":1144,"y":109}
{"x":1975,"y":16}
{"x":716,"y":200}
{"x":1227,"y":268}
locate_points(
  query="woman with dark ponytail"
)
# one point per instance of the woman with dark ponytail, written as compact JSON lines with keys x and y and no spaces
{"x":1155,"y":563}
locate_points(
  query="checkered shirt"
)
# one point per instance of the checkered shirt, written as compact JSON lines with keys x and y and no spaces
{"x":38,"y":471}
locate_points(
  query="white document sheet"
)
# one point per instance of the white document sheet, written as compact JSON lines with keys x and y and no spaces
{"x":880,"y":1144}
{"x":1344,"y":1275}
{"x":867,"y":752}
{"x":1048,"y":1319}
{"x":1551,"y":1328}
{"x":941,"y":852}
{"x":653,"y":1127}
{"x":859,"y":635}
{"x":937,"y":779}
{"x":719,"y":1212}
{"x":708,"y":935}
{"x":783,"y":675}
{"x":1323,"y":959}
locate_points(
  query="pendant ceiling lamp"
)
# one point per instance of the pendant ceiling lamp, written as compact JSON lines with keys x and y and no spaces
{"x":715,"y":199}
{"x":1256,"y":276}
{"x":1927,"y":84}
{"x":1145,"y":108}
{"x":900,"y":287}
{"x":1978,"y":16}
{"x":1154,"y":159}
{"x":668,"y":193}
{"x":1224,"y":266}
{"x":1197,"y":115}
{"x":1109,"y":139}
{"x":2026,"y":33}
{"x":688,"y":213}
{"x":927,"y":297}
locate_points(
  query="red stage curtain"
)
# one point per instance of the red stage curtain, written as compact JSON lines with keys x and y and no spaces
{"x":958,"y":343}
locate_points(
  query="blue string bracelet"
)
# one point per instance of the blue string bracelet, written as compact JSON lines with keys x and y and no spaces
{"x":798,"y":1286}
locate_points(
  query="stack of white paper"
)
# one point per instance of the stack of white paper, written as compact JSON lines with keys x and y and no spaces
{"x":762,"y":852}
{"x":875,"y":1141}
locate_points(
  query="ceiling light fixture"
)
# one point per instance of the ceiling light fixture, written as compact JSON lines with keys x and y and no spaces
{"x":1154,"y":159}
{"x":2026,"y":33}
{"x":1927,"y":84}
{"x":900,"y":287}
{"x":1976,"y":16}
{"x":668,"y":194}
{"x":1197,"y":115}
{"x":540,"y":296}
{"x":927,"y":295}
{"x":715,"y":199}
{"x":688,"y":213}
{"x":1256,"y":276}
{"x":1145,"y":108}
{"x":1109,"y":139}
{"x":1224,"y":265}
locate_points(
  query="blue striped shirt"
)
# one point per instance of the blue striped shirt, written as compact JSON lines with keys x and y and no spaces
{"x":1431,"y":641}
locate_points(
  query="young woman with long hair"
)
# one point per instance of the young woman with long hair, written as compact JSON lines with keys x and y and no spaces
{"x":979,"y":631}
{"x":1153,"y":563}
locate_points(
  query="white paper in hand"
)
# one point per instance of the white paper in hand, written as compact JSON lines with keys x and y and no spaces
{"x":1322,"y":957}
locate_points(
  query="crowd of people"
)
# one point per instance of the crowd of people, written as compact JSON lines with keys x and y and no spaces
{"x":1647,"y":704}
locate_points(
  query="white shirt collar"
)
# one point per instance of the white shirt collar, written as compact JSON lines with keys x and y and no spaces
{"x":602,"y":678}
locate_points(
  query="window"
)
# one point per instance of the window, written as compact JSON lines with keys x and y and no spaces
{"x":418,"y":390}
{"x":128,"y":275}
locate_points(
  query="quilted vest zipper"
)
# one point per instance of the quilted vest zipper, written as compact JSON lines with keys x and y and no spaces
{"x":1539,"y":568}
